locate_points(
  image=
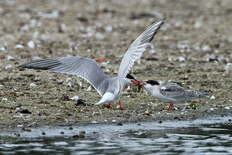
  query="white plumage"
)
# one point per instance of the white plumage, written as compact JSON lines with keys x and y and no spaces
{"x":109,"y":88}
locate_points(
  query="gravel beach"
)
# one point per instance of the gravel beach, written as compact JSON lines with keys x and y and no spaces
{"x":192,"y":48}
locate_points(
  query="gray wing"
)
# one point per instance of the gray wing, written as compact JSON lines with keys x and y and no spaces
{"x":136,"y":50}
{"x":83,"y":67}
{"x":172,"y":90}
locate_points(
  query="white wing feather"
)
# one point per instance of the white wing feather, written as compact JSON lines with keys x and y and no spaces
{"x":136,"y":50}
{"x":82,"y":67}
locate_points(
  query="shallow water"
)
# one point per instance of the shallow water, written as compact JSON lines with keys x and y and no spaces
{"x":169,"y":137}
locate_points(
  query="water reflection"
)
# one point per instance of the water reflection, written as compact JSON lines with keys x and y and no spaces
{"x":203,"y":138}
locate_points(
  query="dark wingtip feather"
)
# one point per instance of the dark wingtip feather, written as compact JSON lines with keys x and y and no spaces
{"x":43,"y":64}
{"x":162,"y":21}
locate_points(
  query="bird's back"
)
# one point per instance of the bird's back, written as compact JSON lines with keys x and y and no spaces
{"x":176,"y":94}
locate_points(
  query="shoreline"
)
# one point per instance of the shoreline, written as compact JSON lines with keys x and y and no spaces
{"x":91,"y":130}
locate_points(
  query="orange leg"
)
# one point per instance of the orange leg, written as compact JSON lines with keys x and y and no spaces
{"x":110,"y":106}
{"x":170,"y":106}
{"x":99,"y":59}
{"x":120,"y":106}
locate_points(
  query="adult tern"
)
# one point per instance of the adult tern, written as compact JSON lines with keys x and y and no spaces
{"x":109,"y":88}
{"x":170,"y":92}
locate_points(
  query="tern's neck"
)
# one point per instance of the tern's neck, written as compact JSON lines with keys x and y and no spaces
{"x":152,"y":89}
{"x":127,"y":81}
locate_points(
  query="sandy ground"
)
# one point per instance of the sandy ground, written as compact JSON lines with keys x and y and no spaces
{"x":193,"y":49}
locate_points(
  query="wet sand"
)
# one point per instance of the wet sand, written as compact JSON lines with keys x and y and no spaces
{"x":193,"y":49}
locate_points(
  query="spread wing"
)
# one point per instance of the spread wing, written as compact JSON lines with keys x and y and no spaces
{"x":82,"y":67}
{"x":136,"y":50}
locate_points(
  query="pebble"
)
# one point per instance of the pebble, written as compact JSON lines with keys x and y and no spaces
{"x":99,"y":36}
{"x":8,"y":66}
{"x":17,"y":134}
{"x":108,"y":28}
{"x":81,"y":134}
{"x":113,"y":121}
{"x":119,"y":124}
{"x":32,"y":85}
{"x":212,"y":97}
{"x":9,"y":57}
{"x":25,"y":111}
{"x":31,"y":44}
{"x":94,"y":122}
{"x":19,"y":46}
{"x":4,"y":99}
{"x":75,"y":98}
{"x":43,"y":133}
{"x":181,"y":59}
{"x":2,"y":48}
{"x":206,"y":48}
{"x":197,"y":24}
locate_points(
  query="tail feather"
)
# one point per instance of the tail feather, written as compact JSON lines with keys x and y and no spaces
{"x":202,"y":94}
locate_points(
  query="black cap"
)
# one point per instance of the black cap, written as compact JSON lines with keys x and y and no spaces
{"x":152,"y":82}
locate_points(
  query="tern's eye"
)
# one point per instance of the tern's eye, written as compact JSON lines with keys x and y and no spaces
{"x":152,"y":82}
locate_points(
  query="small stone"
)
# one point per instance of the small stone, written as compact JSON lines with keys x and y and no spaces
{"x":25,"y":111}
{"x":20,"y":126}
{"x":99,"y":36}
{"x":212,"y":97}
{"x":32,"y":85}
{"x":160,"y":122}
{"x":19,"y":46}
{"x":25,"y":129}
{"x":119,"y":124}
{"x":94,"y":122}
{"x":9,"y":57}
{"x":17,"y":134}
{"x":181,"y":59}
{"x":9,"y":66}
{"x":61,"y":132}
{"x":206,"y":48}
{"x":80,"y":102}
{"x":31,"y":44}
{"x":64,"y":98}
{"x":75,"y":98}
{"x":108,"y":28}
{"x":176,"y":118}
{"x":81,"y":134}
{"x":4,"y":99}
{"x":2,"y":48}
{"x":43,"y":133}
{"x":70,"y":128}
{"x":76,"y":136}
{"x":113,"y":121}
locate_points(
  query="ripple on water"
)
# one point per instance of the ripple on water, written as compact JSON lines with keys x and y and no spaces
{"x":204,"y":138}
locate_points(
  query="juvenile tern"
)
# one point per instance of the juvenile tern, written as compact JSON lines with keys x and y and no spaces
{"x":170,"y":92}
{"x":109,"y":88}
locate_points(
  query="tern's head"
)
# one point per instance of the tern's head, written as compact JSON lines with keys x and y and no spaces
{"x":130,"y":79}
{"x":149,"y":85}
{"x":152,"y":82}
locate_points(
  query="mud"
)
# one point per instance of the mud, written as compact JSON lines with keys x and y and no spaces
{"x":193,"y":49}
